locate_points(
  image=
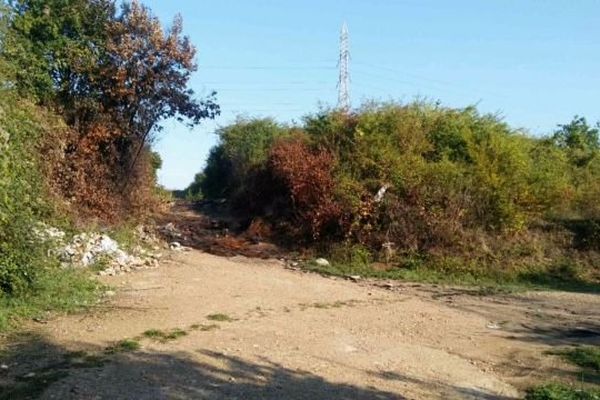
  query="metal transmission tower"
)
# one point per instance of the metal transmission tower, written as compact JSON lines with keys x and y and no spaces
{"x":344,"y":65}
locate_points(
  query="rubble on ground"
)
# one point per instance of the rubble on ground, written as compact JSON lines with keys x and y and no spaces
{"x":176,"y":246}
{"x":87,"y":249}
{"x":170,"y":231}
{"x":46,"y":233}
{"x":147,"y":236}
{"x":100,"y":250}
{"x":321,"y":262}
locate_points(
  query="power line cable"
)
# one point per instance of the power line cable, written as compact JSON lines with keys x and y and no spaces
{"x":266,"y":67}
{"x":273,"y":89}
{"x":263,"y":83}
{"x":455,"y":87}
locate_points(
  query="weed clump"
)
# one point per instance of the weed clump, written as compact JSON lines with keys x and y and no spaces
{"x":220,"y":318}
{"x":587,"y":357}
{"x":123,"y":346}
{"x":556,"y":391}
{"x":164,"y":336}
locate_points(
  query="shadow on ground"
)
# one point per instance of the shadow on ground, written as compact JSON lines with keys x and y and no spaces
{"x":445,"y":391}
{"x":38,"y":369}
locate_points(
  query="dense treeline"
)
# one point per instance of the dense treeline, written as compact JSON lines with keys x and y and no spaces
{"x":113,"y":75}
{"x":444,"y":186}
{"x":85,"y":86}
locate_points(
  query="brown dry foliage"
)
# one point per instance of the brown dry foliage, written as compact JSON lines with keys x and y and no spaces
{"x":412,"y":221}
{"x":106,"y":171}
{"x":90,"y":172}
{"x":307,"y":176}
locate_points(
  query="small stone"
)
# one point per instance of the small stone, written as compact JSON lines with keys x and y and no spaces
{"x":321,"y":262}
{"x":110,"y":293}
{"x":4,"y":367}
{"x":354,"y":278}
{"x":29,"y":375}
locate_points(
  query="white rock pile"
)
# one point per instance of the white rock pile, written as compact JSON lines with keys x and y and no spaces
{"x":47,"y":233}
{"x":87,"y":249}
{"x":95,"y":249}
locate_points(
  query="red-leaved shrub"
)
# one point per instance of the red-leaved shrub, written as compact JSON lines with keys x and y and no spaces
{"x":307,"y":176}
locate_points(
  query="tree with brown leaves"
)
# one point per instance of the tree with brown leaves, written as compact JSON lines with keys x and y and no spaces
{"x":146,"y":75}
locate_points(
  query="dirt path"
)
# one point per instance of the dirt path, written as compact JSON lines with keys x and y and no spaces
{"x":283,"y":334}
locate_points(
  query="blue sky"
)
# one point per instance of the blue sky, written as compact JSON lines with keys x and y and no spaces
{"x":535,"y":62}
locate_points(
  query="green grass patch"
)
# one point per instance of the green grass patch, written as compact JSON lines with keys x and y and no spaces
{"x":555,"y":391}
{"x":326,"y":306}
{"x":153,"y":334}
{"x":55,"y":290}
{"x":563,"y":275}
{"x":164,"y":336}
{"x":82,"y":359}
{"x":204,"y":328}
{"x":125,"y":235}
{"x":587,"y":357}
{"x":123,"y":346}
{"x":102,"y":263}
{"x":220,"y":318}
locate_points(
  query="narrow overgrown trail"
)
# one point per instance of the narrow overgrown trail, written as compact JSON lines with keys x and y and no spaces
{"x":203,"y":326}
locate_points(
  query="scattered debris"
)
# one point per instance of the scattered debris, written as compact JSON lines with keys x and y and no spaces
{"x":87,"y":249}
{"x":169,"y":230}
{"x":354,"y":278}
{"x":100,"y":250}
{"x":147,"y":236}
{"x":291,"y":265}
{"x":381,"y":193}
{"x":47,"y":233}
{"x":321,"y":262}
{"x":176,"y":246}
{"x":493,"y":326}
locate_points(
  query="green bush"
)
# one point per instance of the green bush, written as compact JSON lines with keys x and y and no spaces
{"x":455,"y":180}
{"x":244,"y":146}
{"x":31,"y":281}
{"x":556,"y":391}
{"x":22,"y":196}
{"x":584,"y":356}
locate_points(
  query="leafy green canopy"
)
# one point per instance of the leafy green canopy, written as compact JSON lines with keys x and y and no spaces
{"x":114,"y":73}
{"x":244,"y":148}
{"x":55,"y":45}
{"x":22,"y":195}
{"x":88,"y":59}
{"x":446,"y":170}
